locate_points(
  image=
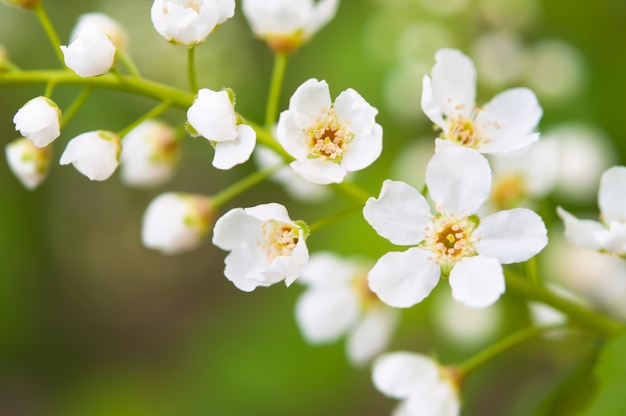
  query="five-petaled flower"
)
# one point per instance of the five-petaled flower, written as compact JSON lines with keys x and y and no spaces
{"x":286,"y":24}
{"x":212,"y":115}
{"x":177,"y":222}
{"x":504,"y":124}
{"x":265,"y":246}
{"x":454,"y":242}
{"x":189,"y":22}
{"x":39,"y":120}
{"x":328,"y":139}
{"x":425,"y":387}
{"x":338,"y":301}
{"x":610,"y":234}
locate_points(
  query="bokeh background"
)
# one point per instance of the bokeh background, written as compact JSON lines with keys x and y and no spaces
{"x":93,"y":323}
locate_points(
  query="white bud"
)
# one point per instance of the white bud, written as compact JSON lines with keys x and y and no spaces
{"x":28,"y":162}
{"x":39,"y":120}
{"x":94,"y":154}
{"x":91,"y":54}
{"x":108,"y":25}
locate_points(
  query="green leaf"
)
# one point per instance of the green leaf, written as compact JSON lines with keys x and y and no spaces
{"x":610,"y":371}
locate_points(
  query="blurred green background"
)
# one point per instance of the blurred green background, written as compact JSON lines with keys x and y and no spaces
{"x":92,"y":323}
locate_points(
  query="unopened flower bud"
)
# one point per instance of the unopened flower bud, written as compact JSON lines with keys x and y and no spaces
{"x":39,"y":120}
{"x":108,"y":25}
{"x":92,"y":53}
{"x":23,"y":4}
{"x":28,"y":162}
{"x":94,"y":154}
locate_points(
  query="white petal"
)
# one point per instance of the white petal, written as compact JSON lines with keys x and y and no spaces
{"x":372,"y":334}
{"x":612,"y":194}
{"x":292,"y":137}
{"x":581,"y":232}
{"x":94,"y":154}
{"x":243,"y":267}
{"x":401,"y":374}
{"x":181,"y":23}
{"x":271,"y":211}
{"x":322,"y":172}
{"x":352,"y":108}
{"x":323,"y":11}
{"x":508,"y":120}
{"x":458,"y":179}
{"x":234,"y":227}
{"x":511,"y":236}
{"x":363,"y":150}
{"x":213,"y":116}
{"x":477,"y":281}
{"x":39,"y":120}
{"x":613,"y":239}
{"x":323,"y":315}
{"x":431,"y":107}
{"x":454,"y":82}
{"x":403,"y":279}
{"x":29,"y":163}
{"x":91,"y":54}
{"x":400,"y":214}
{"x":290,"y":267}
{"x":327,"y":269}
{"x":439,"y":400}
{"x":235,"y":152}
{"x":226,"y":9}
{"x":309,"y":101}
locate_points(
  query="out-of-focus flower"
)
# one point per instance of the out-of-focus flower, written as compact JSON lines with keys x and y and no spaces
{"x":453,"y":242}
{"x":265,"y":246}
{"x":149,"y":154}
{"x":91,"y":53}
{"x":286,"y":24}
{"x":189,"y":22}
{"x":294,"y":184}
{"x":39,"y":120}
{"x":503,"y":125}
{"x":24,"y":4}
{"x":609,"y":235}
{"x":212,"y":115}
{"x":500,"y":57}
{"x":94,"y":154}
{"x":328,"y":139}
{"x":28,"y":162}
{"x":107,"y":24}
{"x":339,"y":302}
{"x":425,"y":388}
{"x":176,"y":222}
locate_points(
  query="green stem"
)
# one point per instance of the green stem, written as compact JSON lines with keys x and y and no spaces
{"x":225,"y":195}
{"x":531,"y":270}
{"x":329,"y":219}
{"x":131,"y":85}
{"x":264,"y":137}
{"x":280,"y":63}
{"x":75,"y":106}
{"x":583,"y":317}
{"x":49,"y":88}
{"x":128,"y":63}
{"x":503,"y":346}
{"x":50,"y":32}
{"x":155,"y":112}
{"x":191,"y":69}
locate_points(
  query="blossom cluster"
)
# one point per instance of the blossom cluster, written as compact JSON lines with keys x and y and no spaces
{"x":461,"y":227}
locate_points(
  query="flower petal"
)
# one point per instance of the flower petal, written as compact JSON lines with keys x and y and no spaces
{"x":454,"y":82}
{"x":352,"y":108}
{"x":402,"y":374}
{"x":511,"y":236}
{"x":612,"y":194}
{"x":327,"y":269}
{"x":323,"y":315}
{"x":213,"y":116}
{"x":309,"y":100}
{"x":458,"y":179}
{"x":322,"y":12}
{"x":322,"y":172}
{"x":477,"y":281}
{"x":234,"y":227}
{"x":363,"y":150}
{"x":372,"y":334}
{"x":613,"y":239}
{"x":271,"y":211}
{"x":403,"y":279}
{"x":439,"y":400}
{"x":430,"y":106}
{"x":243,"y":266}
{"x":235,"y":152}
{"x":508,"y":120}
{"x":400,"y":214}
{"x":290,"y":136}
{"x":581,"y":232}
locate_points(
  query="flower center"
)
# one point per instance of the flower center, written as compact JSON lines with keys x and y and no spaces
{"x":508,"y":192}
{"x":327,"y":137}
{"x":450,"y":238}
{"x":464,"y":131}
{"x":279,"y":239}
{"x":193,"y":5}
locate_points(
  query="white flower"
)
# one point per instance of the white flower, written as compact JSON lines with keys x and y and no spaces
{"x":39,"y":120}
{"x":339,"y":302}
{"x":328,"y":139}
{"x":108,"y":25}
{"x":91,"y":53}
{"x":454,"y":242}
{"x":504,"y":124}
{"x":425,"y":388}
{"x":294,"y":184}
{"x":149,"y":154}
{"x":610,"y":234}
{"x":286,"y":24}
{"x":213,"y":116}
{"x":94,"y":154}
{"x":265,"y":246}
{"x":176,"y":222}
{"x":189,"y":22}
{"x":28,"y":162}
